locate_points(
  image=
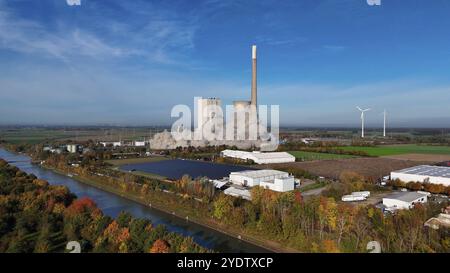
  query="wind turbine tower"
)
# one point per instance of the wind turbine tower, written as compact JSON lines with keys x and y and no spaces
{"x":384,"y":123}
{"x":362,"y":119}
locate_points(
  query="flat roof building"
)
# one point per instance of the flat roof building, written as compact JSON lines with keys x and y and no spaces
{"x":238,"y":192}
{"x":259,"y":157}
{"x":441,"y":221}
{"x":269,"y":179}
{"x":404,"y":200}
{"x":423,"y":174}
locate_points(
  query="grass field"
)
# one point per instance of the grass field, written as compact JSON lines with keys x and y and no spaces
{"x":400,"y":149}
{"x":40,"y":135}
{"x":310,"y":156}
{"x":34,"y":135}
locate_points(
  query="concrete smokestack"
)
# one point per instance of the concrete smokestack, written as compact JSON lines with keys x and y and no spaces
{"x":254,"y":89}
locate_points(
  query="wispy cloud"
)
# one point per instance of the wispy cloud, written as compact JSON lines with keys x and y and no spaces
{"x":280,"y":42}
{"x":27,"y":36}
{"x":159,"y":40}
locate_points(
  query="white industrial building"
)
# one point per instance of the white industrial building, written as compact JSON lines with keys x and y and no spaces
{"x":404,"y":200}
{"x":72,"y":148}
{"x":269,"y":179}
{"x":442,"y":220}
{"x":114,"y":143}
{"x":424,"y":174}
{"x":259,"y":157}
{"x":140,"y":143}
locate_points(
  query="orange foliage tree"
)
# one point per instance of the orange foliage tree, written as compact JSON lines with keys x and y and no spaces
{"x":160,"y":246}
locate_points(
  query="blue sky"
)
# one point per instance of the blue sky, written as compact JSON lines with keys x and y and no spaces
{"x":129,"y":62}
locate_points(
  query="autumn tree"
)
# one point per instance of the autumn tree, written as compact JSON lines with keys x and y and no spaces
{"x":222,"y":206}
{"x":160,"y":246}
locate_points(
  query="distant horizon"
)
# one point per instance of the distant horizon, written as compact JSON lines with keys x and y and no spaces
{"x":282,"y":126}
{"x":130,"y":62}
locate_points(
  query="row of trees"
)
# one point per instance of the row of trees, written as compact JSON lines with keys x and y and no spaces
{"x":318,"y":224}
{"x":200,"y":188}
{"x":38,"y":217}
{"x":321,"y":224}
{"x":417,"y":186}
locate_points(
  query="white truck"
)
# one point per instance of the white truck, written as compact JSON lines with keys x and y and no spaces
{"x":352,"y":198}
{"x":365,"y":194}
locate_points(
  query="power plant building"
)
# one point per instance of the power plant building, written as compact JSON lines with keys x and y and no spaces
{"x":245,"y":116}
{"x":207,"y":110}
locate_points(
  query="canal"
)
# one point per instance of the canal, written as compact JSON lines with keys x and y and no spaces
{"x":112,"y":205}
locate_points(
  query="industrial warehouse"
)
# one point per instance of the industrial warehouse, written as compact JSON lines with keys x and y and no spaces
{"x":269,"y":179}
{"x":242,"y":181}
{"x":259,"y":157}
{"x":424,"y":174}
{"x":404,"y":200}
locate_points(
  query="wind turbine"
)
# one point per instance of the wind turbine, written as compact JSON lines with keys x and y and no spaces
{"x":362,"y":119}
{"x":384,"y":123}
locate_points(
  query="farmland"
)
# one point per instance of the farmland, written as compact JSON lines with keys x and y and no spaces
{"x":369,"y":167}
{"x":311,"y":156}
{"x":400,"y":149}
{"x":35,"y":135}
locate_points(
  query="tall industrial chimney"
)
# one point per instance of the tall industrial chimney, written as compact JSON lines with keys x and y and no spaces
{"x":254,"y":91}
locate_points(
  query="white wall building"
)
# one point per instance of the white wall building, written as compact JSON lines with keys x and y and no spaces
{"x":269,"y":179}
{"x":259,"y":157}
{"x":404,"y":200}
{"x":114,"y":143}
{"x":139,"y":143}
{"x":424,"y":173}
{"x":72,"y":148}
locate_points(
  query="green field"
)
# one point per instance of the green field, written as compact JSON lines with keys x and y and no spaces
{"x":39,"y":135}
{"x":34,"y":135}
{"x":400,"y":149}
{"x":310,"y":156}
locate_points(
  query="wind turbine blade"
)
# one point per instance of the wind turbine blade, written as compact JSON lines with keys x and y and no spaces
{"x":359,"y":108}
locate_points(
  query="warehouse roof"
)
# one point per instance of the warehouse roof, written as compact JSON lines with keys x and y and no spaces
{"x":259,"y":155}
{"x":260,"y":173}
{"x":427,"y":170}
{"x":271,"y":155}
{"x":406,"y":196}
{"x":236,"y":191}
